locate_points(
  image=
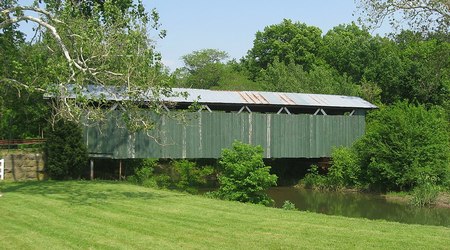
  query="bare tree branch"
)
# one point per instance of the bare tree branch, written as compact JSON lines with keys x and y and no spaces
{"x":418,"y":14}
{"x":84,"y":52}
{"x":6,"y":12}
{"x":22,"y":85}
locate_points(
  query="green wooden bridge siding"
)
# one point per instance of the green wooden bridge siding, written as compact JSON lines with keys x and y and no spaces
{"x":205,"y":134}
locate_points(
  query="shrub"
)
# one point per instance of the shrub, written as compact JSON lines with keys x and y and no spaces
{"x":426,"y":193}
{"x":65,"y":152}
{"x":313,"y":179}
{"x":345,"y":169}
{"x":189,"y":175}
{"x":288,"y":205}
{"x":163,"y":180}
{"x":186,"y":175}
{"x":404,"y":142}
{"x":143,"y":172}
{"x":244,"y":177}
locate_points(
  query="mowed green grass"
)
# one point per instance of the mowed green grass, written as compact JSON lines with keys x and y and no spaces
{"x":108,"y":215}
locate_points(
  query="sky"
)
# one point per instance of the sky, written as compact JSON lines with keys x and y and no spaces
{"x":231,"y":25}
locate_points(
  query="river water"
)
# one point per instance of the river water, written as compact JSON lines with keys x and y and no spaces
{"x":359,"y":205}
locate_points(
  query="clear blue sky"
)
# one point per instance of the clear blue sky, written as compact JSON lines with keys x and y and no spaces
{"x":230,"y":25}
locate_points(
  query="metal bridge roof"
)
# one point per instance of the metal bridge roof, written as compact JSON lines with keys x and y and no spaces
{"x":270,"y":98}
{"x":204,"y":96}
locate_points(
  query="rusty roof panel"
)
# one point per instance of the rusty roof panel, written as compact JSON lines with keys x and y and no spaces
{"x":245,"y":97}
{"x":286,"y":99}
{"x":274,"y":98}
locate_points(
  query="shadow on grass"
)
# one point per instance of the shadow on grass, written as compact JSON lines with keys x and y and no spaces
{"x":80,"y":192}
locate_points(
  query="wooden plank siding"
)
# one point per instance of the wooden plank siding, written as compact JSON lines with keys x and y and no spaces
{"x":205,"y":134}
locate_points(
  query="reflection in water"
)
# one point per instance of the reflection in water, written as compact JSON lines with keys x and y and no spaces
{"x":359,"y":205}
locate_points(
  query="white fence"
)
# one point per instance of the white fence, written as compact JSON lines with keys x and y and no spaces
{"x":2,"y":169}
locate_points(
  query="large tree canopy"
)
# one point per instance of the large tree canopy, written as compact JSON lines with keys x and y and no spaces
{"x":349,"y":49}
{"x":287,"y":41}
{"x":78,"y":43}
{"x":204,"y":68}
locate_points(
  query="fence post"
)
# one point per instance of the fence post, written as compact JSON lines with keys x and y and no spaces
{"x":2,"y":169}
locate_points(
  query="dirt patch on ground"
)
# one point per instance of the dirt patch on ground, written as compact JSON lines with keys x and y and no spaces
{"x":443,"y":200}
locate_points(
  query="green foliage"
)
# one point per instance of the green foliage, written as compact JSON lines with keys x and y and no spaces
{"x":411,"y":67}
{"x":345,"y":170}
{"x":101,"y":42}
{"x":319,"y":79}
{"x":371,"y":92}
{"x":22,"y":114}
{"x":425,"y":195}
{"x":313,"y":179}
{"x":163,"y":180}
{"x":349,"y":49}
{"x":203,"y":69}
{"x":185,"y":175}
{"x":65,"y":151}
{"x":23,"y":111}
{"x":321,"y":181}
{"x":236,"y":77}
{"x":426,"y":65}
{"x":288,"y":205}
{"x":348,"y":60}
{"x":201,"y":58}
{"x":244,"y":176}
{"x":143,"y":172}
{"x":403,"y":143}
{"x":289,"y":42}
{"x":343,"y":173}
{"x":189,"y":175}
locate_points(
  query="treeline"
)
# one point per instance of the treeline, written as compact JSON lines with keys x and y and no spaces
{"x":406,"y":146}
{"x":286,"y":57}
{"x":406,"y":74}
{"x":348,"y":60}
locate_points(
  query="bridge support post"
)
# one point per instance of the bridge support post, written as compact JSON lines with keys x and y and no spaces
{"x":120,"y":170}
{"x":92,"y":169}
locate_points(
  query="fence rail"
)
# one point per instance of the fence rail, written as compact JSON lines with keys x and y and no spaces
{"x":22,"y":141}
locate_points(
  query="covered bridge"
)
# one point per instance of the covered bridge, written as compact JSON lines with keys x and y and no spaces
{"x":286,"y":125}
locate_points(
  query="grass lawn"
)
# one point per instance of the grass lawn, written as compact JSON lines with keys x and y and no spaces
{"x":108,"y":215}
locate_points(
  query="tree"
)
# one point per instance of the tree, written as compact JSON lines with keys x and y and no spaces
{"x":22,"y":110}
{"x":237,"y":78}
{"x":349,"y":49}
{"x":427,"y":66}
{"x":412,"y":67}
{"x":103,"y":43}
{"x":404,"y":145}
{"x":422,"y":15}
{"x":190,"y":176}
{"x":203,"y":68}
{"x":65,"y":152}
{"x":287,"y":41}
{"x":321,"y":79}
{"x":201,"y":58}
{"x":244,"y":175}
